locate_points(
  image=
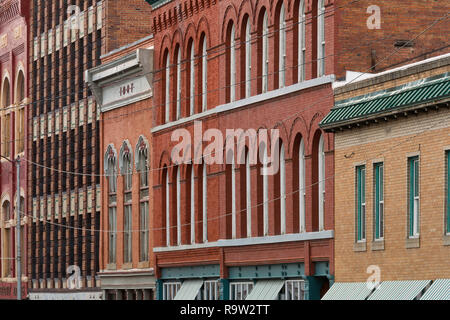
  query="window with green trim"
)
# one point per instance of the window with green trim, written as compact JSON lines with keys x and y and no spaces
{"x":378,"y":201}
{"x":413,"y":197}
{"x":447,"y":229}
{"x":360,"y":203}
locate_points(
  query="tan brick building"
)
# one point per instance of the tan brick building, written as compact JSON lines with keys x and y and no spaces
{"x":392,"y":153}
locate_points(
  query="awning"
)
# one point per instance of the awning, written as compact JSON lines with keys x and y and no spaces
{"x":189,"y":290}
{"x":399,"y":290}
{"x":393,"y":100}
{"x":347,"y":291}
{"x":439,"y":290}
{"x":266,"y":290}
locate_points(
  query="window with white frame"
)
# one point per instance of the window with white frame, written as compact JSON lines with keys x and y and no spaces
{"x":293,"y":290}
{"x":378,"y":201}
{"x":143,"y":170}
{"x":248,"y":58}
{"x":192,"y":209}
{"x":111,"y":173}
{"x":248,"y":194}
{"x":211,"y":290}
{"x":170,"y":290}
{"x":233,"y":198}
{"x":127,"y":173}
{"x":167,"y":88}
{"x":167,"y":201}
{"x":282,"y":48}
{"x":360,"y":203}
{"x":302,"y":186}
{"x":178,"y":83}
{"x":321,"y":38}
{"x":265,"y":179}
{"x":192,"y":78}
{"x":301,"y":41}
{"x":321,"y":175}
{"x":240,"y":290}
{"x":232,"y":67}
{"x":414,"y":197}
{"x":205,"y":203}
{"x":282,"y":190}
{"x":178,"y":202}
{"x":265,"y":53}
{"x":204,"y":75}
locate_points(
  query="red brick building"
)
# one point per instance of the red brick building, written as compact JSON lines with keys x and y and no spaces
{"x":125,"y":102}
{"x":14,"y":21}
{"x":221,"y":228}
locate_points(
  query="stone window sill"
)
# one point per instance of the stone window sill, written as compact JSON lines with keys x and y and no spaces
{"x":143,"y":265}
{"x":127,"y":266}
{"x":378,"y":245}
{"x":111,"y":266}
{"x":412,"y":243}
{"x":359,"y":246}
{"x":446,"y":239}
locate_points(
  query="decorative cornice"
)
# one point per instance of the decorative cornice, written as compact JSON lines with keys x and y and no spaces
{"x":9,"y":9}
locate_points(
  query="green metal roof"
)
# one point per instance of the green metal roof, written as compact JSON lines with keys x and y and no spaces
{"x":266,"y":290}
{"x":439,"y":290}
{"x":157,"y":3}
{"x":348,"y":291}
{"x":387,"y":101}
{"x":399,"y":290}
{"x":189,"y":289}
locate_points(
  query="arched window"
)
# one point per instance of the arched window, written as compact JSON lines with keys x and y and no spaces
{"x":302,"y":185}
{"x":142,"y":167}
{"x":7,"y":241}
{"x":282,"y":190}
{"x":231,"y":62}
{"x":166,"y":201}
{"x":178,"y":82}
{"x":167,"y":86}
{"x":205,"y":203}
{"x":126,"y":170}
{"x":248,"y":194}
{"x":265,"y":188}
{"x":111,"y":174}
{"x":321,"y":175}
{"x":231,"y":195}
{"x":321,"y":38}
{"x":301,"y":41}
{"x":191,"y":196}
{"x":178,"y":202}
{"x":191,"y":77}
{"x":263,"y":56}
{"x":204,"y":66}
{"x":282,"y":48}
{"x":20,"y":113}
{"x":6,"y":125}
{"x":246,"y":56}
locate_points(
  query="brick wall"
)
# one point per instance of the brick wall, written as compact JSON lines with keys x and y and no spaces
{"x":426,"y":134}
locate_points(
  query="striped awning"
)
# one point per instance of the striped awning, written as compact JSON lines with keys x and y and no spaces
{"x":266,"y":290}
{"x":439,"y":290}
{"x":189,"y":290}
{"x":399,"y":290}
{"x":348,"y":291}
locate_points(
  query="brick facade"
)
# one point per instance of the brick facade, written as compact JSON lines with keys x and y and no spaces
{"x":14,"y":21}
{"x":392,"y":141}
{"x":295,"y":110}
{"x":66,"y":134}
